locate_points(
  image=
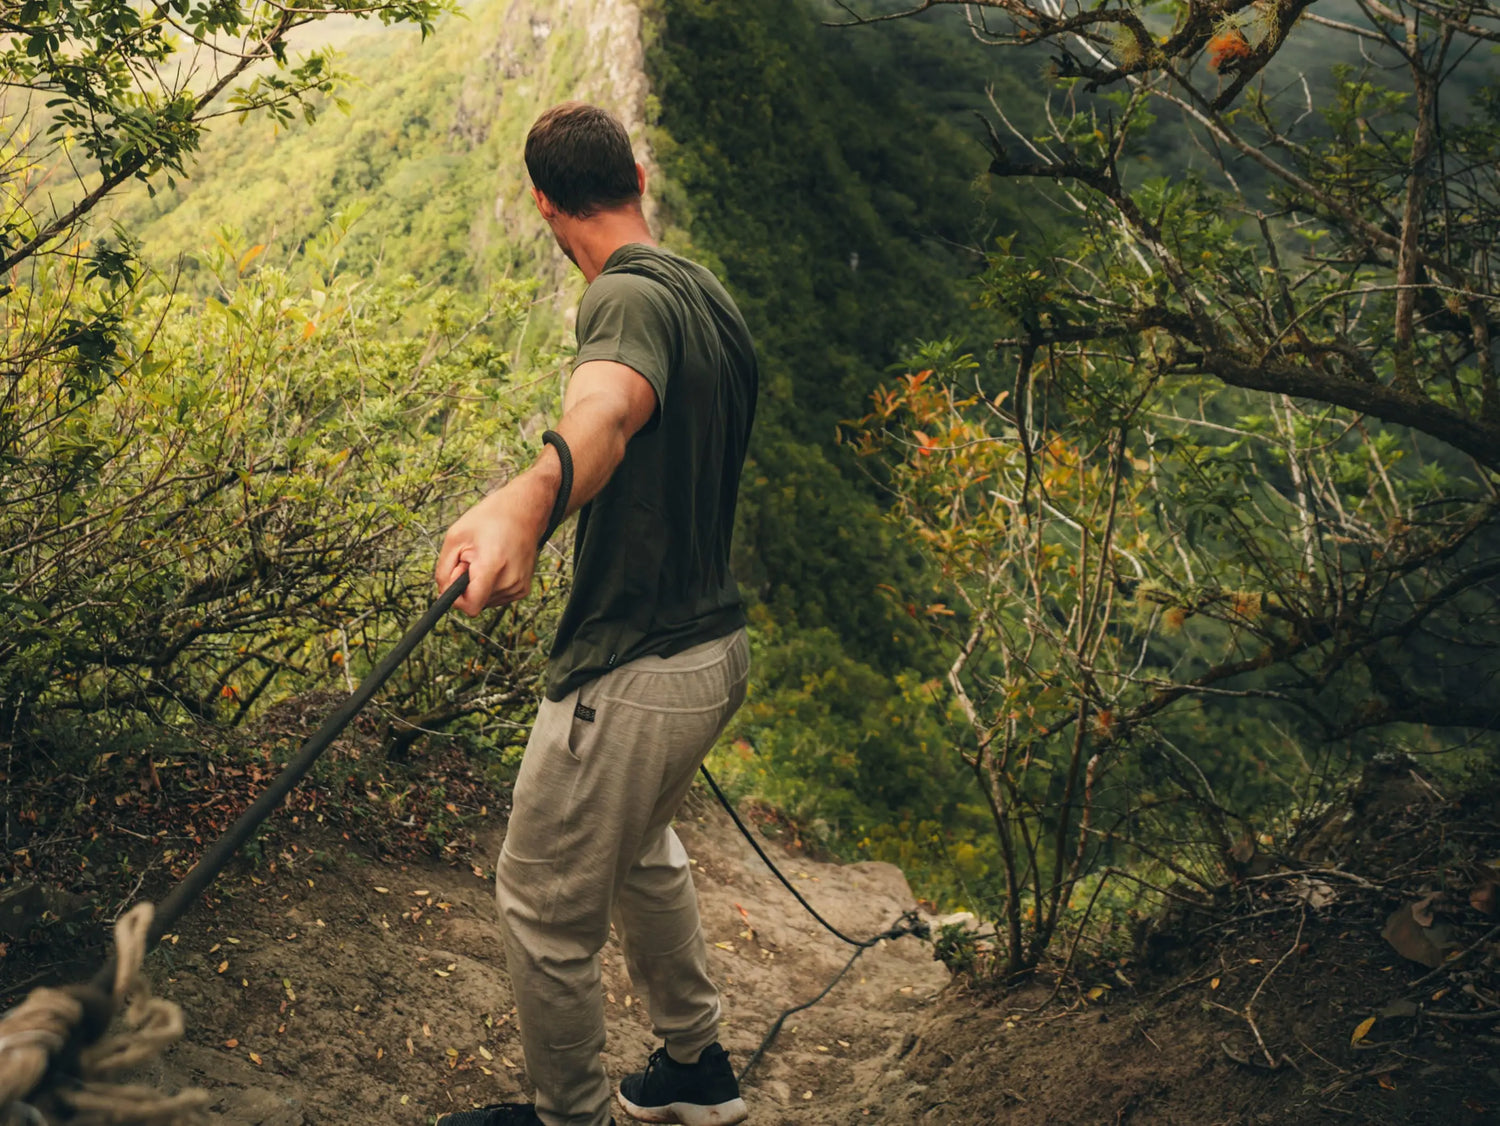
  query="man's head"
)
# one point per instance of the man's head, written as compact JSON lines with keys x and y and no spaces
{"x":580,"y":162}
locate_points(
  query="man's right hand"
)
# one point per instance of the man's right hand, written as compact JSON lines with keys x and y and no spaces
{"x":496,"y":540}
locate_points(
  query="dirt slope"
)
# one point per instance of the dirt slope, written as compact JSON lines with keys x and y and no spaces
{"x":343,"y":989}
{"x":327,"y":986}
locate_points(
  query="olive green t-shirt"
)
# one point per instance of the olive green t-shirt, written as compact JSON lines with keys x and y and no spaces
{"x":651,"y":560}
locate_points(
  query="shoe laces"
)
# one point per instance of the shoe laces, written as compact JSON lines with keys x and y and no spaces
{"x":658,"y":1061}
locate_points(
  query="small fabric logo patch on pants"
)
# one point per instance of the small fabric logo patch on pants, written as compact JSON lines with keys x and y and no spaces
{"x":584,"y":713}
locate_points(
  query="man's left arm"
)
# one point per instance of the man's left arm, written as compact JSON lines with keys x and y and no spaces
{"x":496,"y":541}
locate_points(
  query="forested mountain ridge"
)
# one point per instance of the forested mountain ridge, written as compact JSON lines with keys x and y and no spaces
{"x":1115,"y":500}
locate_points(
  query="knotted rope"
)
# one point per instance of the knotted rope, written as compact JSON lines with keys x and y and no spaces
{"x":56,"y":1063}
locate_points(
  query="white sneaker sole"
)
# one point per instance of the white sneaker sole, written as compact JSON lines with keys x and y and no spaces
{"x":688,"y":1114}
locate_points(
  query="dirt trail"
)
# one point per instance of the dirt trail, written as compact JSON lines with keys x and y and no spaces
{"x":343,"y":989}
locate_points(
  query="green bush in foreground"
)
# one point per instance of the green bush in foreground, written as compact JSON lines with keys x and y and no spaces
{"x":236,"y":497}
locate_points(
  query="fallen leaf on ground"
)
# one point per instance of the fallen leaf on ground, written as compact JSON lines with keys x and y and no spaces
{"x":1410,"y":938}
{"x":1421,"y":910}
{"x":1361,"y":1030}
{"x":1315,"y":893}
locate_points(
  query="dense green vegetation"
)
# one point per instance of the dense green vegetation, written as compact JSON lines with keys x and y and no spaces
{"x":425,"y":140}
{"x":833,"y":184}
{"x":229,"y":439}
{"x":1131,"y":589}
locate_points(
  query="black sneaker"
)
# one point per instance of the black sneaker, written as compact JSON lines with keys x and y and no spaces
{"x":705,"y":1093}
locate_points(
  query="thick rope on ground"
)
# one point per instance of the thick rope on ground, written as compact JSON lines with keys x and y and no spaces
{"x":56,"y":1066}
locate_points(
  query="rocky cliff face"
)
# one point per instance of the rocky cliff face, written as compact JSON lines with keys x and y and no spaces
{"x":543,"y":53}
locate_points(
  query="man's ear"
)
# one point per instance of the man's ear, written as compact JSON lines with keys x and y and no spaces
{"x":547,"y":208}
{"x":640,"y":177}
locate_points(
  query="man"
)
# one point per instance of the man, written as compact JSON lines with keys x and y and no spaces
{"x":650,"y":659}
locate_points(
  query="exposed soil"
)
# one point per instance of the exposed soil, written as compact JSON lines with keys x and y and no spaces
{"x":353,"y":989}
{"x":324,"y":984}
{"x":1170,"y":1043}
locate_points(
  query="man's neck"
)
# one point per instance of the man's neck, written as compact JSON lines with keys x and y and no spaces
{"x":594,"y":239}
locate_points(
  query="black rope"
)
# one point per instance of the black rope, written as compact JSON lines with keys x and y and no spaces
{"x":908,"y":923}
{"x":186,"y":893}
{"x":760,"y":852}
{"x":565,"y":488}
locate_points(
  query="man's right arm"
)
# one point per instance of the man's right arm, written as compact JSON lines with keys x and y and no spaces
{"x":496,"y":540}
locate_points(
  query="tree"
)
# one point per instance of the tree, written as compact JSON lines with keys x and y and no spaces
{"x":105,"y":91}
{"x":203,"y":504}
{"x":1240,"y":478}
{"x":1399,"y":183}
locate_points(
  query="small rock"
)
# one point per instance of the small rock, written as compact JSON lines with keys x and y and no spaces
{"x":21,"y":909}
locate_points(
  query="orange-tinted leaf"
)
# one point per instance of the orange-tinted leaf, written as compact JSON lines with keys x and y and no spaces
{"x":250,"y":256}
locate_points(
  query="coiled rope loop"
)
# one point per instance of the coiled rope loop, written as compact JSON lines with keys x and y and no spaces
{"x":57,"y":1063}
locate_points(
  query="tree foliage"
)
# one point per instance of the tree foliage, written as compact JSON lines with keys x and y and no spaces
{"x":123,"y":90}
{"x":1238,"y":454}
{"x":240,"y":504}
{"x":207,"y":502}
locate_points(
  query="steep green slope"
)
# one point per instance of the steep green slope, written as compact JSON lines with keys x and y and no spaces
{"x":829,"y":174}
{"x":427,"y":150}
{"x":832,"y":179}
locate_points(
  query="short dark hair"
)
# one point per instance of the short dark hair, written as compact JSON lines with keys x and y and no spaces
{"x":579,"y":157}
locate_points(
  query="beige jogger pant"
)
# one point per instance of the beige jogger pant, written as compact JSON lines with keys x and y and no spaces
{"x":590,"y":839}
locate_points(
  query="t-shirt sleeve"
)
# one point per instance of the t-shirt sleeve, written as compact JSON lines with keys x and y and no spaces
{"x":628,"y":319}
